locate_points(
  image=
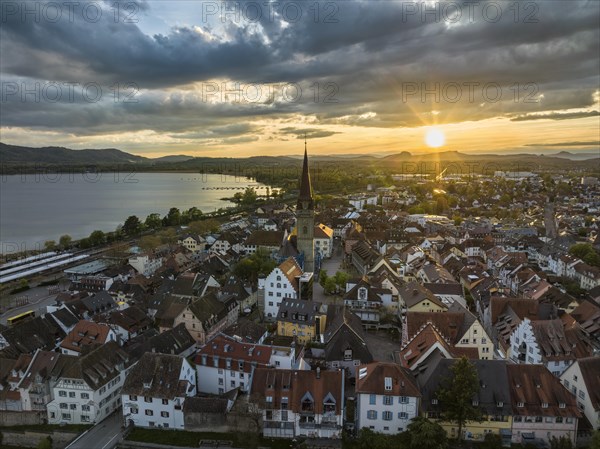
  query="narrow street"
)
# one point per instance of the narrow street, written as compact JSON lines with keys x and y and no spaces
{"x":104,"y":435}
{"x":331,"y":265}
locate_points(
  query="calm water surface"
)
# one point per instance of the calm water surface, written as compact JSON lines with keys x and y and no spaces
{"x":34,"y":209}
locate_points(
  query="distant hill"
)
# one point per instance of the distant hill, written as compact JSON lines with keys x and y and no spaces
{"x":174,"y":158}
{"x":16,"y":155}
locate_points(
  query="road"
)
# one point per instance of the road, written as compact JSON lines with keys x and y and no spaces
{"x":331,"y":265}
{"x":38,"y":300}
{"x":105,"y":435}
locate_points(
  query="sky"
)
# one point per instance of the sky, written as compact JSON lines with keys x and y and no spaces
{"x":226,"y":78}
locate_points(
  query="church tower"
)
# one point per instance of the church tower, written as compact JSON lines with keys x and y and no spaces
{"x":305,"y":218}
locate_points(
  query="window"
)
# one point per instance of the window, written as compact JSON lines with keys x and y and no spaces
{"x":134,"y":410}
{"x":164,"y":414}
{"x":520,"y":404}
{"x":73,"y":406}
{"x":434,"y":401}
{"x":284,"y":415}
{"x":131,"y":397}
{"x":71,"y":394}
{"x":233,"y":384}
{"x":388,"y":383}
{"x":544,"y":405}
{"x":372,"y":399}
{"x":66,"y":416}
{"x":559,"y":419}
{"x":220,"y":381}
{"x":85,"y":396}
{"x":63,"y":405}
{"x":62,"y":394}
{"x":85,"y":408}
{"x":147,"y":399}
{"x":403,"y":400}
{"x":371,"y":414}
{"x":582,"y":394}
{"x":402,"y":415}
{"x":388,"y":400}
{"x":165,"y":402}
{"x":149,"y":413}
{"x":567,"y":384}
{"x":387,"y":416}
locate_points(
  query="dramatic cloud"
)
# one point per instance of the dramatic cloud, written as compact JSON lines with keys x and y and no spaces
{"x":243,"y":73}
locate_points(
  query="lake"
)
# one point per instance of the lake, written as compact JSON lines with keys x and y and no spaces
{"x":36,"y":208}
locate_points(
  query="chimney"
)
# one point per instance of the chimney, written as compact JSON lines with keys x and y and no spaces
{"x":318,"y":372}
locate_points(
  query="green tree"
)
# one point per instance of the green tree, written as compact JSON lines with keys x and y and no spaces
{"x":492,"y":441}
{"x":426,"y":434}
{"x":456,"y":396}
{"x":586,"y":252}
{"x":49,"y":245}
{"x":563,"y":442}
{"x":595,"y":443}
{"x":341,"y":278}
{"x":330,"y":286}
{"x":251,"y":267}
{"x":149,"y":242}
{"x":322,"y":277}
{"x":65,"y":241}
{"x":97,"y":238}
{"x":153,"y":221}
{"x":203,"y":227}
{"x":167,"y":236}
{"x":249,"y":197}
{"x":132,"y":226}
{"x":173,"y":218}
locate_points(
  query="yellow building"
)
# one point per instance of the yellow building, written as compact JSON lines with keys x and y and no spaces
{"x":305,"y":320}
{"x":413,"y":297}
{"x":492,"y":398}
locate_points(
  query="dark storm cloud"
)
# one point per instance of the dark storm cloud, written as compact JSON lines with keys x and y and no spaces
{"x":311,"y":133}
{"x":556,"y":116}
{"x":371,"y":51}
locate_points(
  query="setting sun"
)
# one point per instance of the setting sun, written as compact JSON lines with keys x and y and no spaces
{"x":434,"y":138}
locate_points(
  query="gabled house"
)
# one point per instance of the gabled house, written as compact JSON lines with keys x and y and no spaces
{"x":582,"y":379}
{"x":32,"y":376}
{"x":492,"y":398}
{"x":155,"y":391}
{"x":413,"y":297}
{"x":207,"y":316}
{"x":459,"y":327}
{"x":387,"y":398}
{"x":88,"y":389}
{"x":549,"y":342}
{"x":224,"y":364}
{"x":86,"y":334}
{"x":285,"y":281}
{"x":300,"y":403}
{"x":345,"y":344}
{"x":304,"y":320}
{"x":542,"y":408}
{"x":366,"y":301}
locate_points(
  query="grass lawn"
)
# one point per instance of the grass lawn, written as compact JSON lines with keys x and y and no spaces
{"x":78,"y":428}
{"x":191,"y":439}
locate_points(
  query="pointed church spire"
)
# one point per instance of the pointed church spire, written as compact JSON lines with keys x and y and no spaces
{"x":305,"y":198}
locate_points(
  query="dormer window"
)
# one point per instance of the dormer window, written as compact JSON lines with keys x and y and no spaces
{"x":388,"y":383}
{"x":562,"y":405}
{"x":520,"y":404}
{"x":434,"y":401}
{"x":475,"y":402}
{"x":308,"y":403}
{"x":500,"y":404}
{"x":544,"y":405}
